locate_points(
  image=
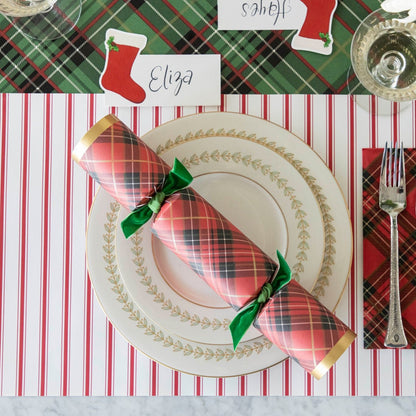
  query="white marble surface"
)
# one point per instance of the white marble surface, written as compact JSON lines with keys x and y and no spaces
{"x":184,"y":406}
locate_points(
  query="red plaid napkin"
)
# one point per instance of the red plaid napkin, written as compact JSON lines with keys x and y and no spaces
{"x":376,"y":253}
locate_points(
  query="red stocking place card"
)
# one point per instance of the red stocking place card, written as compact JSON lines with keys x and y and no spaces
{"x":311,"y":18}
{"x":130,"y":78}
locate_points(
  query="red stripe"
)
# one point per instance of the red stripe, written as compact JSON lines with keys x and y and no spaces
{"x":286,"y":364}
{"x":223,"y":102}
{"x":344,"y":23}
{"x":373,"y":115}
{"x":66,"y":318}
{"x":330,"y":134}
{"x":45,"y":248}
{"x":397,"y":372}
{"x":4,"y":136}
{"x":176,"y":382}
{"x":154,"y":378}
{"x":286,"y":105}
{"x":220,"y":387}
{"x":156,"y":116}
{"x":243,"y":104}
{"x":308,"y":384}
{"x":331,"y":381}
{"x":24,"y":184}
{"x":374,"y":374}
{"x":243,"y":385}
{"x":266,"y":114}
{"x":330,"y":163}
{"x":132,"y":371}
{"x":265,"y":383}
{"x":88,"y":316}
{"x":286,"y":377}
{"x":353,"y":349}
{"x":109,"y":363}
{"x":198,"y":386}
{"x":364,"y":6}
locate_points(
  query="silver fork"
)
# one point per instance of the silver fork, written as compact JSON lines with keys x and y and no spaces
{"x":392,"y":199}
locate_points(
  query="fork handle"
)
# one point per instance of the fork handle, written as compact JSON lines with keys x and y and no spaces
{"x":395,"y":337}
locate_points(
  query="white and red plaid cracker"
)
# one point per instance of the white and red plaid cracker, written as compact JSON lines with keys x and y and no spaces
{"x":213,"y":247}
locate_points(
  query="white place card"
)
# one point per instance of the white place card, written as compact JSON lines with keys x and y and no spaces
{"x":311,"y":18}
{"x":174,"y":80}
{"x":260,"y":14}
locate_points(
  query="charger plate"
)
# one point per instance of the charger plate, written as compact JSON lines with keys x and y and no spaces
{"x":273,"y":187}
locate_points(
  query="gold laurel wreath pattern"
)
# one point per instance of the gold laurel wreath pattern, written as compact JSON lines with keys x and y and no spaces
{"x":244,"y":350}
{"x":247,"y":160}
{"x":329,"y":228}
{"x":160,"y":298}
{"x":248,"y":348}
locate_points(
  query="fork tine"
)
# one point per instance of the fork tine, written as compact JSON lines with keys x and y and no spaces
{"x":390,"y":166}
{"x":402,"y":172}
{"x":383,"y":175}
{"x":395,"y":170}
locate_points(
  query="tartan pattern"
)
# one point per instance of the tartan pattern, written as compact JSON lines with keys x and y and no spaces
{"x":213,"y":247}
{"x":227,"y":261}
{"x":376,"y":253}
{"x":300,"y":325}
{"x":124,"y":166}
{"x":252,"y":61}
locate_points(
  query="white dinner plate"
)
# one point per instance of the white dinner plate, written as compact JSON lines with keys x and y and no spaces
{"x":267,"y":182}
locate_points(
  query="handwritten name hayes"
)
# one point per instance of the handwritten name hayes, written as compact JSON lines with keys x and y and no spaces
{"x":273,"y":8}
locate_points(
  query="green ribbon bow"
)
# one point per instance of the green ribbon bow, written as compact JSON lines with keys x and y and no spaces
{"x":177,"y":179}
{"x":245,"y":317}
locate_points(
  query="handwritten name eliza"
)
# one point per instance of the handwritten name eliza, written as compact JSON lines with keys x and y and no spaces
{"x":164,"y":77}
{"x":175,"y":80}
{"x":276,"y":9}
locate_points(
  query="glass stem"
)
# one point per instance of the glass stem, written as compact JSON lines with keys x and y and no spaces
{"x":391,"y":65}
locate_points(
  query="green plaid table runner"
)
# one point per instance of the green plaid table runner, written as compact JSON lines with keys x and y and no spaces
{"x":252,"y":61}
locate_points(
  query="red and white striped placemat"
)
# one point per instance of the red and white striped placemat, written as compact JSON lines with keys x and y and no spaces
{"x":54,"y":337}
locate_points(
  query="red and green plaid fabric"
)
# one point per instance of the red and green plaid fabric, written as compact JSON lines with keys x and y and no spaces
{"x":213,"y":247}
{"x":252,"y":61}
{"x":376,"y":253}
{"x":300,"y":325}
{"x":124,"y":166}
